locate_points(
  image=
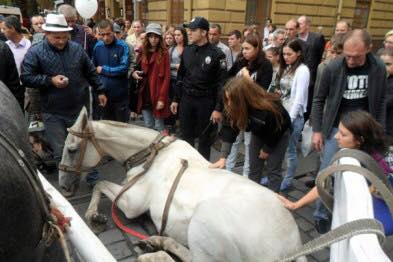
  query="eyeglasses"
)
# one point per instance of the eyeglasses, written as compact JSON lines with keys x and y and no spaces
{"x":388,"y":64}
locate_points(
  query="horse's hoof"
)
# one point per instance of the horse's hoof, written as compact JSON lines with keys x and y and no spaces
{"x":99,"y":218}
{"x":97,"y":223}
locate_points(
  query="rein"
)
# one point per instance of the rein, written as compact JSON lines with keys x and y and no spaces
{"x":87,"y":135}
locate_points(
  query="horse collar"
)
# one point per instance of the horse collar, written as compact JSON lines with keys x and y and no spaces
{"x":147,"y":154}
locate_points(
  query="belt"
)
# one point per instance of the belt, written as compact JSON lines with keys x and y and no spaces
{"x":198,"y":92}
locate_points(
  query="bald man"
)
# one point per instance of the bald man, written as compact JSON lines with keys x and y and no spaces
{"x":354,"y":81}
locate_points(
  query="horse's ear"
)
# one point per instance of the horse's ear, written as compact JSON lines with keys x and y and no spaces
{"x":82,"y":120}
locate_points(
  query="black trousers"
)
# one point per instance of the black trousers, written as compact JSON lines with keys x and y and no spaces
{"x":117,"y":111}
{"x":194,"y":116}
{"x":273,"y":162}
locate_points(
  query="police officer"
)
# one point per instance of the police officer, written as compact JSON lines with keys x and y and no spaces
{"x":200,"y":78}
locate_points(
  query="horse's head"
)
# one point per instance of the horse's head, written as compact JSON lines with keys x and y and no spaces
{"x":80,"y":153}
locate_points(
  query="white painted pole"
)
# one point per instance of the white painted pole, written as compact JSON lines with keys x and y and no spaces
{"x":84,"y":240}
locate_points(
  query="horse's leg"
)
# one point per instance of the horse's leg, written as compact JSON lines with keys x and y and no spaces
{"x":95,"y":220}
{"x":168,"y":245}
{"x":157,"y":256}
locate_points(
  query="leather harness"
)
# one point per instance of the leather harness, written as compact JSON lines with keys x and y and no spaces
{"x":146,"y":156}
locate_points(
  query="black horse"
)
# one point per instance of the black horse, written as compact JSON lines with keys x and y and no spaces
{"x":24,"y":208}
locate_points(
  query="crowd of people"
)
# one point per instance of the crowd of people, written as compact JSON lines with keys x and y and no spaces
{"x":259,"y":90}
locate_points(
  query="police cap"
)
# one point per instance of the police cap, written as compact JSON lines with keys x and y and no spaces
{"x":198,"y":22}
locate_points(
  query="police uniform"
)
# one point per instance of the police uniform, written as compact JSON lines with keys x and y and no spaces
{"x":201,"y":76}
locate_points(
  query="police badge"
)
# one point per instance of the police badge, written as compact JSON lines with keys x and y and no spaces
{"x":208,"y":60}
{"x":223,"y":64}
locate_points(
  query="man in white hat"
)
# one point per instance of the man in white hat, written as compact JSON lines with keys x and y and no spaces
{"x":62,"y":71}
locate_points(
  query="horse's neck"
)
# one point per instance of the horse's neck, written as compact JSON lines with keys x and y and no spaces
{"x":121,"y":141}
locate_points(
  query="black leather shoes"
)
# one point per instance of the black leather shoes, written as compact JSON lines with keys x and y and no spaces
{"x":322,"y":225}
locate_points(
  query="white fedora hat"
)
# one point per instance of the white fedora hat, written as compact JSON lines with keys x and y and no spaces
{"x":55,"y":23}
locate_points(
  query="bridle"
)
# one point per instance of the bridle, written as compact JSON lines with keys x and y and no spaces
{"x":87,"y":135}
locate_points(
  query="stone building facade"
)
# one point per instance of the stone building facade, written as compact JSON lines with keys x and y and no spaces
{"x":374,"y":15}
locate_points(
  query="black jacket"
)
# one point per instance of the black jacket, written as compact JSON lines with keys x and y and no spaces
{"x":202,"y":73}
{"x":43,"y":61}
{"x":9,"y":74}
{"x":261,"y":70}
{"x":316,"y":45}
{"x":330,"y":93}
{"x":261,"y":123}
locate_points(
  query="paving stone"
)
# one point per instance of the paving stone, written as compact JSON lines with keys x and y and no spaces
{"x":119,"y":250}
{"x":110,"y":236}
{"x":304,"y":225}
{"x":128,"y":259}
{"x":306,"y":213}
{"x":305,"y":238}
{"x":322,"y":255}
{"x":296,"y":194}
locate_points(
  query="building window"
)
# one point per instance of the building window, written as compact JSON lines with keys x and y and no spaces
{"x":362,"y":11}
{"x":257,"y":11}
{"x":177,"y":12}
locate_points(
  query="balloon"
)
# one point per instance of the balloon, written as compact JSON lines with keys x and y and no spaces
{"x":86,"y":8}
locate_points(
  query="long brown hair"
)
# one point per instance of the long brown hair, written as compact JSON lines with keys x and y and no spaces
{"x":146,"y":48}
{"x":241,"y":94}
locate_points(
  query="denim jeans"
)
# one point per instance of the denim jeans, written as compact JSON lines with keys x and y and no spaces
{"x":56,"y":133}
{"x":329,"y":149}
{"x":231,"y":160}
{"x":152,"y":122}
{"x":117,"y":111}
{"x":292,"y":160}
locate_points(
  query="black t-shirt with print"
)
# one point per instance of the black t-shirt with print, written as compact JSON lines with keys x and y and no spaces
{"x":355,"y":95}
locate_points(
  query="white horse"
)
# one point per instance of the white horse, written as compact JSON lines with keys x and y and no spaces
{"x":218,"y":215}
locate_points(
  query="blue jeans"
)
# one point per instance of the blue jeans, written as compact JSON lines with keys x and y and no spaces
{"x":152,"y":122}
{"x":330,"y":148}
{"x":292,"y":161}
{"x":231,"y":160}
{"x":56,"y":133}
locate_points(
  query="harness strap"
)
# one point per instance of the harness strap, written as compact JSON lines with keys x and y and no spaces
{"x":154,"y":148}
{"x":347,"y":230}
{"x":376,"y":177}
{"x":86,"y":135}
{"x":142,"y":155}
{"x":115,"y":217}
{"x":164,"y":221}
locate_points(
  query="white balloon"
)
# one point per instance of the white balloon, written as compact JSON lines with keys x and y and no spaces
{"x":86,"y":8}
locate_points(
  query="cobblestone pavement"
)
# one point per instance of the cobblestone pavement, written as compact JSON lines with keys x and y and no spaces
{"x":122,"y":245}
